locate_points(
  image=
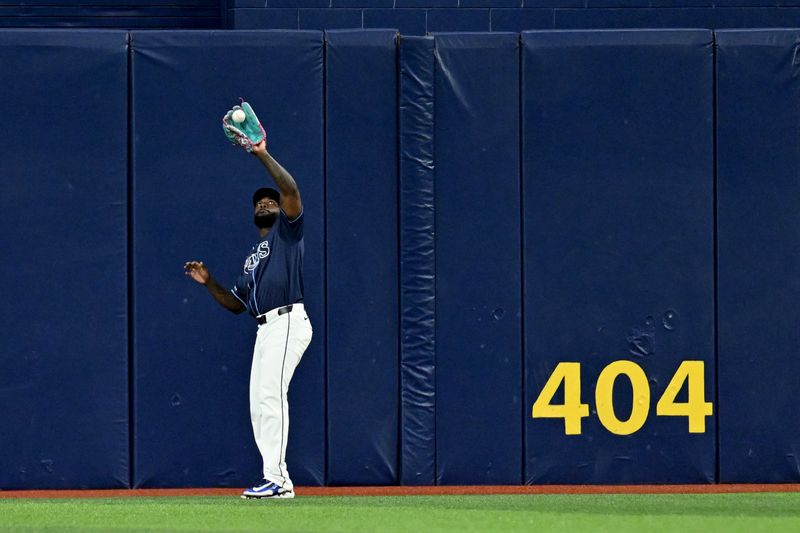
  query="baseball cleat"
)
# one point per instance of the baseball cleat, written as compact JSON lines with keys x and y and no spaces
{"x":267,"y":491}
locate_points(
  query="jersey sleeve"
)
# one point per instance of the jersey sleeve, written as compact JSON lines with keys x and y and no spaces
{"x":290,"y":229}
{"x":241,"y":290}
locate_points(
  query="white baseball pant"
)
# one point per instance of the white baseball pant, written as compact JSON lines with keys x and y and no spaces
{"x":280,"y":344}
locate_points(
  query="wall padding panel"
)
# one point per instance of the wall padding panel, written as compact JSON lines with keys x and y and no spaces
{"x":758,"y":193}
{"x":619,"y":254}
{"x":417,"y":263}
{"x":63,"y":198}
{"x":363,"y":279}
{"x":478,"y":269}
{"x":193,"y":201}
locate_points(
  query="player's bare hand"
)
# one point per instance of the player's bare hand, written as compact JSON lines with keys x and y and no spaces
{"x":260,"y":148}
{"x":197,"y":271}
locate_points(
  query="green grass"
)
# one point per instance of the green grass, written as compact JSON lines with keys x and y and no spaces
{"x":420,"y":514}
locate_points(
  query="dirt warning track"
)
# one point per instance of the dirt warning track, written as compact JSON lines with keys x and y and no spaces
{"x":419,"y":491}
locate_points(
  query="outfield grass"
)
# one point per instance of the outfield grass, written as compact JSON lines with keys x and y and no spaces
{"x":419,"y":514}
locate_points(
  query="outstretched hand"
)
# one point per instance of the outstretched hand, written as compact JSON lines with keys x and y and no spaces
{"x":197,"y":271}
{"x":260,"y":148}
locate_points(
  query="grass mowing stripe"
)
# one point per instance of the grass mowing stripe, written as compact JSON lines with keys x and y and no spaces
{"x":462,"y":514}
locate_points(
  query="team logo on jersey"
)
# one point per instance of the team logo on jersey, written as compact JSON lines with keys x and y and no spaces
{"x":261,"y":252}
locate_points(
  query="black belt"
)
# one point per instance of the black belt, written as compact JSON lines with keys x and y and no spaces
{"x":262,"y":319}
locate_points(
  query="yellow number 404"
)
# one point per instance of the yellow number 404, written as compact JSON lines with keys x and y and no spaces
{"x":696,"y":409}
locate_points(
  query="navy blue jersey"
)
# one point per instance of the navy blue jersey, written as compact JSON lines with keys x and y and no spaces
{"x":273,"y":272}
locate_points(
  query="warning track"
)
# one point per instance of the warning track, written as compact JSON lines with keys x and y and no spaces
{"x":418,"y":491}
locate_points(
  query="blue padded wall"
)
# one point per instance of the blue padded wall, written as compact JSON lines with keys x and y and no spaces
{"x":192,"y":194}
{"x":362,"y":267}
{"x":618,"y":237}
{"x":758,"y":91}
{"x":478,"y":270}
{"x":417,"y":264}
{"x":63,"y":194}
{"x":571,"y":189}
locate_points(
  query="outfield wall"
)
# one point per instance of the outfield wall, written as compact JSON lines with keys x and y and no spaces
{"x":548,"y":257}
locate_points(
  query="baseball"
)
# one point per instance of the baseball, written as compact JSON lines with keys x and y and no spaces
{"x":238,"y":116}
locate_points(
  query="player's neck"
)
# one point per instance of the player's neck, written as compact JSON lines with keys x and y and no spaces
{"x":263,"y":232}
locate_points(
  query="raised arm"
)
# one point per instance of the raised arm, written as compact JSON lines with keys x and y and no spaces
{"x":290,"y":194}
{"x":198,"y":272}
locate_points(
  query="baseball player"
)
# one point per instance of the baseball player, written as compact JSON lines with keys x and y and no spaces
{"x":270,"y":288}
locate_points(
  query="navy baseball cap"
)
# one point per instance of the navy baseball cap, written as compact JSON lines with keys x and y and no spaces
{"x":266,"y":192}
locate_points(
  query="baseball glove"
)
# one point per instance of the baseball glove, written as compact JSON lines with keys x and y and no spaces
{"x":247,"y":133}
